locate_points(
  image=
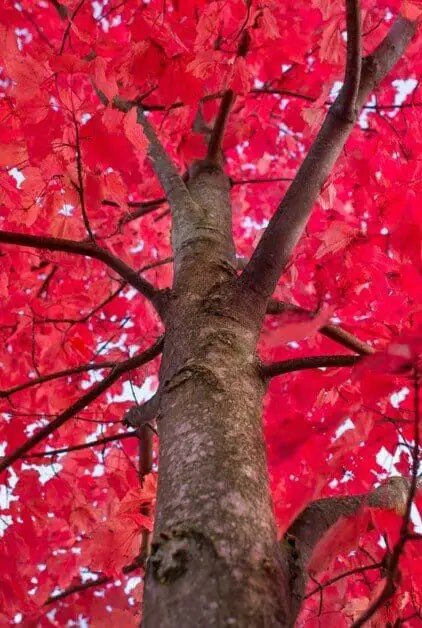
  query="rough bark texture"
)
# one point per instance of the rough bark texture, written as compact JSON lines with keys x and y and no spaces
{"x":215,"y":550}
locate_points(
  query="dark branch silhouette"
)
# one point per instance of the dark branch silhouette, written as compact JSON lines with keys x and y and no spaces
{"x":82,"y":402}
{"x":88,"y":249}
{"x":311,"y":362}
{"x":94,"y":443}
{"x":334,"y":332}
{"x":217,"y":134}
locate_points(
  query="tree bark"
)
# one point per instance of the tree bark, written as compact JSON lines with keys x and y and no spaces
{"x":215,"y":558}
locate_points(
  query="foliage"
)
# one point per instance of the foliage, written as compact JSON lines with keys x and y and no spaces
{"x":76,"y":168}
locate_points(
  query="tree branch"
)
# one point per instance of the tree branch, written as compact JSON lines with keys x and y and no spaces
{"x":83,"y":368}
{"x":334,"y":332}
{"x":142,"y":209}
{"x":138,"y":416}
{"x":166,"y":171}
{"x":317,"y":518}
{"x":171,"y":181}
{"x":60,"y":8}
{"x":341,"y":576}
{"x":94,"y":443}
{"x":88,"y":249}
{"x":79,"y":588}
{"x":346,"y":102}
{"x":80,"y":189}
{"x":216,"y":139}
{"x":82,"y":402}
{"x":311,"y":362}
{"x":288,"y":222}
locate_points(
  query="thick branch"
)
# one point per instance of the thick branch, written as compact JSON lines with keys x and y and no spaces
{"x":82,"y":402}
{"x":171,"y":181}
{"x":334,"y":332}
{"x":311,"y":362}
{"x":216,"y":139}
{"x":288,"y":223}
{"x":88,"y":249}
{"x":138,"y":416}
{"x":317,"y":518}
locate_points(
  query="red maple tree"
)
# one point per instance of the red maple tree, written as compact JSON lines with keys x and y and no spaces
{"x":209,"y":207}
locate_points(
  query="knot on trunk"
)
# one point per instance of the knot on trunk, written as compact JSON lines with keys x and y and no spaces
{"x":172,"y":553}
{"x":169,"y":560}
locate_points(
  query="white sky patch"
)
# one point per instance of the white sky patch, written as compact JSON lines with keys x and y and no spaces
{"x":293,"y":344}
{"x":399,"y":396}
{"x":363,"y":118}
{"x":94,"y":378}
{"x":98,"y":471}
{"x":344,"y":427}
{"x":45,"y":472}
{"x":141,"y":393}
{"x":18,"y":176}
{"x":132,"y":583}
{"x":336,"y":89}
{"x":66,"y":210}
{"x":138,"y":248}
{"x":404,"y":88}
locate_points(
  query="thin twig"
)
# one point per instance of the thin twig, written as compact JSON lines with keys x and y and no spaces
{"x":80,"y":186}
{"x":344,"y":574}
{"x":82,"y":368}
{"x":69,"y":23}
{"x":79,"y":588}
{"x":94,"y":443}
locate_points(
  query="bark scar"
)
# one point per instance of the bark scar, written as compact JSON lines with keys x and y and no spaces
{"x":194,"y":369}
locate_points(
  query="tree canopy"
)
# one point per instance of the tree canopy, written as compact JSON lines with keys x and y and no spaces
{"x":86,"y":88}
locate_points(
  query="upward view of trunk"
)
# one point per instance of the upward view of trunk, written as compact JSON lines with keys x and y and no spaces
{"x":215,"y":559}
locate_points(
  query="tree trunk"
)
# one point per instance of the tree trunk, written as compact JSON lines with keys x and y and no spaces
{"x":215,"y":559}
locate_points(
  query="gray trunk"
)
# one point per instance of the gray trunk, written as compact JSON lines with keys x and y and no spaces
{"x":215,"y":559}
